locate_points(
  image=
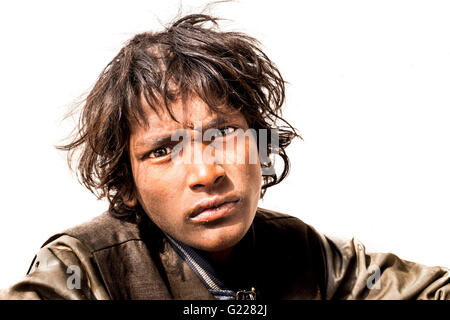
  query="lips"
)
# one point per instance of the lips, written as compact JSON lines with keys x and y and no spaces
{"x":212,"y":209}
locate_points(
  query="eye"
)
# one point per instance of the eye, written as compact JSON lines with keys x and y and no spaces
{"x":221,"y":132}
{"x":159,"y":152}
{"x":227,"y":130}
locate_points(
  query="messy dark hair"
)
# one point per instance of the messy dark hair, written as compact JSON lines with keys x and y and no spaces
{"x":190,"y":57}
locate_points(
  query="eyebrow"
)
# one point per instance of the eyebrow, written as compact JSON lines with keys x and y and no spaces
{"x":154,"y":141}
{"x":159,"y":141}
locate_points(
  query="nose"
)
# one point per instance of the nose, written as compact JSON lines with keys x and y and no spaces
{"x":205,"y":174}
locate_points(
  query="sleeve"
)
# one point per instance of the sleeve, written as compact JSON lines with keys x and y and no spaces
{"x":62,"y":269}
{"x":352,"y":273}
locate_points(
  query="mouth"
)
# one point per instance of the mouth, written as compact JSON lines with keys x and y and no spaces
{"x":213,"y":209}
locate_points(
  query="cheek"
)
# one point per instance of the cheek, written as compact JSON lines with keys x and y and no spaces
{"x":156,"y":191}
{"x":249,"y":165}
{"x":254,"y":169}
{"x":254,"y":179}
{"x":158,"y":197}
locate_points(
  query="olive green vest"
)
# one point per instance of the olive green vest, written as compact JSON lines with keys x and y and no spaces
{"x":136,"y":262}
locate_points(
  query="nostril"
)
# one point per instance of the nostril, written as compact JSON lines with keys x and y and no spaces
{"x":197,"y":186}
{"x":203,"y":185}
{"x":218,"y":179}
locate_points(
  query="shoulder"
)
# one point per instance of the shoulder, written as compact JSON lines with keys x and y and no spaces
{"x":286,"y":232}
{"x":61,"y":269}
{"x":101,"y":232}
{"x":266,"y":214}
{"x":284,"y":223}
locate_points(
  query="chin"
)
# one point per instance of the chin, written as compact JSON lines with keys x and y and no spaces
{"x":221,"y":239}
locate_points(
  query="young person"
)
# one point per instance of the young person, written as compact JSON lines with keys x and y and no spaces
{"x":179,"y":134}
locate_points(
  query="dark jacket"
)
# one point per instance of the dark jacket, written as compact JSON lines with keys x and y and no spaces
{"x":108,"y":258}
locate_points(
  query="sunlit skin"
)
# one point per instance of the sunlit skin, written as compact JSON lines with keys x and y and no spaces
{"x":168,"y":190}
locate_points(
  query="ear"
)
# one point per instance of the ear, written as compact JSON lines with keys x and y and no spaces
{"x":130,"y":202}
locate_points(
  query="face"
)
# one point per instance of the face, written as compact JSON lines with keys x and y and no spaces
{"x":207,"y":202}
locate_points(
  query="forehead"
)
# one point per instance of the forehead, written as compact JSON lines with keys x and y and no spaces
{"x":192,"y":112}
{"x":184,"y":113}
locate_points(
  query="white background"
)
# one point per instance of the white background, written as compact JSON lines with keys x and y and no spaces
{"x":369,"y":85}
